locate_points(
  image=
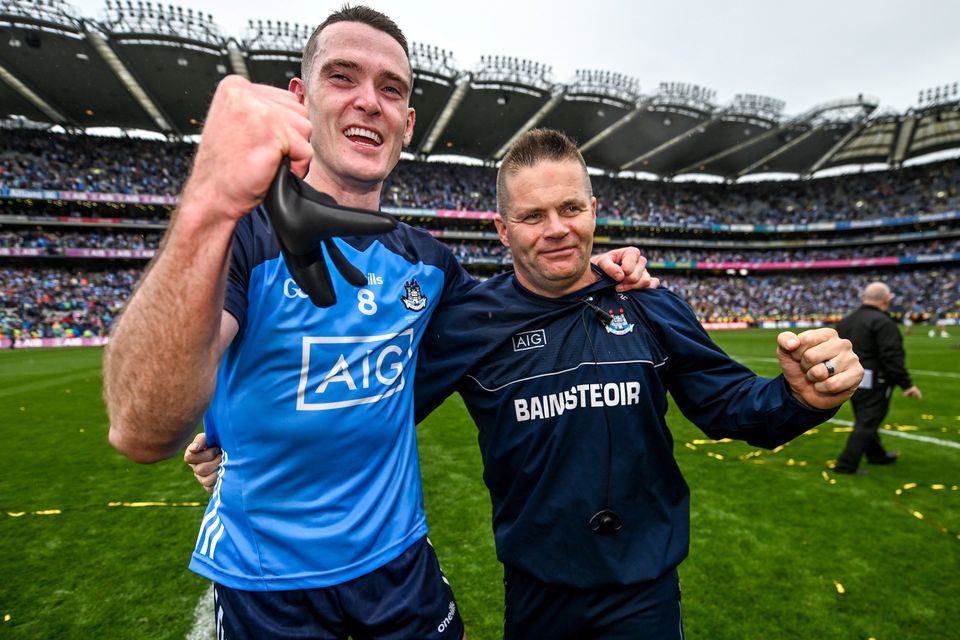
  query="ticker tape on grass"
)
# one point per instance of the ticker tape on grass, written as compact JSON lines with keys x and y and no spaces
{"x":761,"y":456}
{"x":913,"y":486}
{"x":109,"y":505}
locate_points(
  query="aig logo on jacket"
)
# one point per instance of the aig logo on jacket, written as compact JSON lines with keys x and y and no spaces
{"x":529,"y":340}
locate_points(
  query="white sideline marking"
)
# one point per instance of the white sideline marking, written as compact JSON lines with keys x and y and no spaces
{"x":203,"y":627}
{"x":901,"y":434}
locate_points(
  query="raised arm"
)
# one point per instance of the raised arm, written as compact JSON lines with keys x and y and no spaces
{"x":160,"y":365}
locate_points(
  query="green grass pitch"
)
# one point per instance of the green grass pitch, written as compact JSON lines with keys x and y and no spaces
{"x":95,"y":546}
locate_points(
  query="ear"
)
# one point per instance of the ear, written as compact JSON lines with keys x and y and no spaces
{"x":501,"y":230}
{"x":408,"y":133}
{"x":298,"y":88}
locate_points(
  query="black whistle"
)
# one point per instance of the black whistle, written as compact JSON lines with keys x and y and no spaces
{"x":305,"y":220}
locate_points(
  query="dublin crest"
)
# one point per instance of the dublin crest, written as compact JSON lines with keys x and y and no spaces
{"x":414,"y":300}
{"x":618,"y":326}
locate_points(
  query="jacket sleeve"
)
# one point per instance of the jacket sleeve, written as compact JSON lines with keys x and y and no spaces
{"x":445,"y":350}
{"x":723,"y":397}
{"x":892,"y":357}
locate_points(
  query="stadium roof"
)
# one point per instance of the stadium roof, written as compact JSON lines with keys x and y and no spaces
{"x":153,"y":67}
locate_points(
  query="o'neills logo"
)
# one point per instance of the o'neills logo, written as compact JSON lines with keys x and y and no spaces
{"x":611,"y":394}
{"x":414,"y":300}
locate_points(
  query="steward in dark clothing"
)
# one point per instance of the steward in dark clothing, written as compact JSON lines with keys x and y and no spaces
{"x":876,"y":340}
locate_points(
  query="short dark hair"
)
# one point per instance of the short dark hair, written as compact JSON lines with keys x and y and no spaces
{"x":533,"y":147}
{"x":360,"y":13}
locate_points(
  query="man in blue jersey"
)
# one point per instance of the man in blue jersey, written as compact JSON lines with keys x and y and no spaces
{"x":333,"y":542}
{"x":567,"y":380}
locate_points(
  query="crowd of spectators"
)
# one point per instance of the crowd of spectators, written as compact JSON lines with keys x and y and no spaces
{"x":813,"y":295}
{"x":54,"y":241}
{"x":62,"y":302}
{"x":41,"y":160}
{"x":45,"y":238}
{"x":71,"y":302}
{"x":68,"y":301}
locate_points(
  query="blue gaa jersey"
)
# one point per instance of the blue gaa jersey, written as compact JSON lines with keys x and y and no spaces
{"x":571,"y":413}
{"x":313,"y":409}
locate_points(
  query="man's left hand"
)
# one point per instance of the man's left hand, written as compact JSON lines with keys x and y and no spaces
{"x":628,"y":267}
{"x":820,"y":367}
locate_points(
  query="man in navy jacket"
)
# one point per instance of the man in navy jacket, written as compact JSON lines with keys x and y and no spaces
{"x":567,"y":380}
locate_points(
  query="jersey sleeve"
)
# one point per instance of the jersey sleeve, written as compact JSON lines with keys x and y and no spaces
{"x":447,"y":350}
{"x":238,"y":275}
{"x":457,"y":282}
{"x":722,"y":397}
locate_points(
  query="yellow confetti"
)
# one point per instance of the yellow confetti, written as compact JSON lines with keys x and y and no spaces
{"x":715,"y":455}
{"x":825,"y":475}
{"x":15,"y":514}
{"x":937,"y":487}
{"x":690,"y":446}
{"x":81,"y":430}
{"x":48,"y":512}
{"x":926,"y":416}
{"x":842,"y":429}
{"x":907,"y":427}
{"x":23,"y":408}
{"x":778,"y":449}
{"x":154,"y":504}
{"x":6,"y":617}
{"x":833,"y":481}
{"x":910,"y":485}
{"x":917,"y":515}
{"x":898,"y":491}
{"x":839,"y":587}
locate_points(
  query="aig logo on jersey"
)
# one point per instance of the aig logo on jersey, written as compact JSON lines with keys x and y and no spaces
{"x":529,"y":340}
{"x":345,"y":371}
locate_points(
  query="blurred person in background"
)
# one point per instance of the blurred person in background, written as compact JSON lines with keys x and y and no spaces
{"x":877,"y":340}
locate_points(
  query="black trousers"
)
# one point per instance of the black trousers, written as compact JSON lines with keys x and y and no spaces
{"x":536,"y":610}
{"x":869,"y":409}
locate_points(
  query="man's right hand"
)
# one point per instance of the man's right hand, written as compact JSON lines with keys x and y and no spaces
{"x":204,"y":461}
{"x":913,"y":392}
{"x":249,"y":129}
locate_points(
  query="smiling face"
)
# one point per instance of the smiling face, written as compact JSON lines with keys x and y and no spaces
{"x":548,"y":223}
{"x":358,"y":96}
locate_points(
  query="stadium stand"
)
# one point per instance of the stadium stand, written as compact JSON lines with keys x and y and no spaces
{"x":80,"y":214}
{"x":84,"y":247}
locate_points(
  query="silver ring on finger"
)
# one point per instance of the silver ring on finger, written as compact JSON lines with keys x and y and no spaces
{"x":830,"y":370}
